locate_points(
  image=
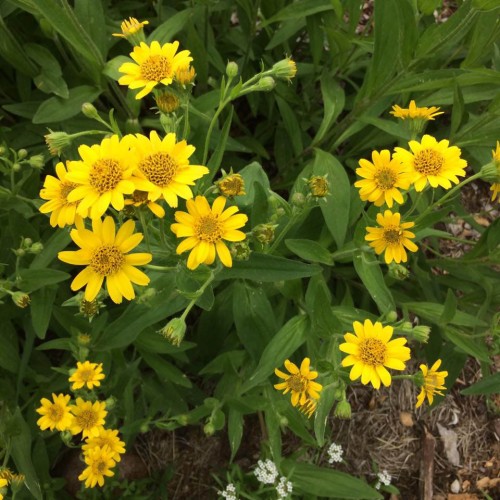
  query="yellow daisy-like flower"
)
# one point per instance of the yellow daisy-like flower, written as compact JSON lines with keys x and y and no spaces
{"x":99,"y":464}
{"x":433,"y":383}
{"x":56,"y":190}
{"x":495,"y":187}
{"x":3,"y":484}
{"x":205,"y":228}
{"x":392,"y":237}
{"x":163,"y":167}
{"x":432,"y":162}
{"x":231,"y":185}
{"x":88,"y":417}
{"x":371,"y":351}
{"x":382,"y":179}
{"x":140,"y":198}
{"x":185,"y":75}
{"x":130,"y":27}
{"x":300,"y":382}
{"x":109,"y":438}
{"x":56,"y":414}
{"x":308,"y":408}
{"x":415,"y":112}
{"x":87,"y":374}
{"x":103,"y":176}
{"x":154,"y":64}
{"x":106,"y":256}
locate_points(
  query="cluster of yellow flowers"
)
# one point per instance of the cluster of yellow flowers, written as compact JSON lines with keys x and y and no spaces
{"x":102,"y":447}
{"x":428,"y":162}
{"x":9,"y":478}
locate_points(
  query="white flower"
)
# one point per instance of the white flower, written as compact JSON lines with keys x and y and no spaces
{"x":229,"y":493}
{"x":266,"y":472}
{"x":384,"y":477}
{"x":335,"y":452}
{"x":284,"y":488}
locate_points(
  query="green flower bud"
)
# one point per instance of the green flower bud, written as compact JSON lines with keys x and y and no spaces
{"x":298,"y":199}
{"x":3,"y":150}
{"x":16,"y":167}
{"x":19,"y":252}
{"x":27,"y":242}
{"x":490,"y":172}
{"x":264,"y":233}
{"x":343,"y":410}
{"x":110,"y":403}
{"x":283,"y":421}
{"x":37,"y":161}
{"x":232,"y":69}
{"x":286,"y":69}
{"x":421,"y":333}
{"x":391,"y":316}
{"x":89,"y":110}
{"x":144,"y":428}
{"x":57,"y":142}
{"x":22,"y":154}
{"x":36,"y":248}
{"x":266,"y":84}
{"x":398,"y":271}
{"x":66,"y":437}
{"x":174,"y":331}
{"x":209,"y":429}
{"x":319,"y":186}
{"x":240,"y":250}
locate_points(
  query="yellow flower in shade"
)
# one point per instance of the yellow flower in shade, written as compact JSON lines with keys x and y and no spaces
{"x":205,"y":228}
{"x":106,"y":256}
{"x":300,"y":382}
{"x":56,"y":190}
{"x":433,"y":383}
{"x":495,"y":187}
{"x":185,"y":75}
{"x":414,"y":112}
{"x":167,"y":102}
{"x":109,"y":438}
{"x":140,"y":198}
{"x":103,"y":176}
{"x":392,"y":237}
{"x":87,"y":374}
{"x":231,"y":185}
{"x":163,"y":167}
{"x":383,"y":177}
{"x":308,"y":408}
{"x":99,"y":463}
{"x":6,"y":474}
{"x":154,"y":64}
{"x":130,"y":27}
{"x":432,"y":162}
{"x":56,"y":414}
{"x":3,"y":484}
{"x":88,"y":417}
{"x":371,"y":351}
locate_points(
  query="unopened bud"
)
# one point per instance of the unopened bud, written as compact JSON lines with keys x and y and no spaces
{"x":22,"y":154}
{"x":231,"y":185}
{"x":391,"y":316}
{"x":89,"y":110}
{"x":66,"y":437}
{"x":266,"y":84}
{"x":398,"y":271}
{"x":298,"y":199}
{"x":3,"y":150}
{"x":319,"y":186}
{"x":421,"y":333}
{"x":84,"y":339}
{"x":19,"y":252}
{"x":343,"y":410}
{"x":231,"y":69}
{"x":16,"y":167}
{"x":264,"y":233}
{"x":57,"y":142}
{"x":283,"y":421}
{"x":110,"y":403}
{"x":285,"y":69}
{"x":240,"y":250}
{"x":491,"y":172}
{"x":27,"y":242}
{"x":185,"y":75}
{"x":209,"y":429}
{"x":90,"y":308}
{"x":167,"y":102}
{"x":174,"y":331}
{"x":36,"y":248}
{"x":37,"y":161}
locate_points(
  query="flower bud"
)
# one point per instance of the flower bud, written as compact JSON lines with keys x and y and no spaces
{"x":298,"y":199}
{"x":209,"y":429}
{"x":144,"y":428}
{"x":231,"y":185}
{"x":90,"y":308}
{"x":21,"y":299}
{"x":232,"y":69}
{"x":110,"y":403}
{"x":266,"y":84}
{"x":240,"y":250}
{"x":319,"y":186}
{"x":398,"y":271}
{"x":22,"y":154}
{"x":421,"y":333}
{"x":285,"y":69}
{"x":185,"y":75}
{"x":490,"y":172}
{"x":3,"y":150}
{"x":57,"y":142}
{"x":391,"y":316}
{"x":16,"y":167}
{"x":66,"y":438}
{"x":283,"y":421}
{"x":167,"y":102}
{"x":89,"y":110}
{"x":83,"y":339}
{"x":27,"y":242}
{"x":37,"y":161}
{"x":264,"y":233}
{"x":343,"y":410}
{"x":174,"y":331}
{"x":36,"y":248}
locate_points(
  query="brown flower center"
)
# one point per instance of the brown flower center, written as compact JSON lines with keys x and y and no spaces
{"x":208,"y":228}
{"x":107,"y":260}
{"x":385,"y":179}
{"x":393,"y":235}
{"x":156,"y":68}
{"x":159,"y":168}
{"x":428,"y":162}
{"x":105,"y":174}
{"x":372,"y":352}
{"x":87,"y":419}
{"x":233,"y":185}
{"x":56,"y":413}
{"x":66,"y":188}
{"x":297,"y":383}
{"x":86,"y":375}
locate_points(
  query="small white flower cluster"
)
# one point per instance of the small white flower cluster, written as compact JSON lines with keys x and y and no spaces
{"x":229,"y":493}
{"x":284,"y":488}
{"x":383,"y":478}
{"x":266,"y":471}
{"x":335,"y":452}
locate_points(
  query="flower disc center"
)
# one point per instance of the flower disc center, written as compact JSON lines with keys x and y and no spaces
{"x":159,"y":168}
{"x":385,"y":179}
{"x":107,"y":260}
{"x":208,"y":229}
{"x":156,"y":68}
{"x":372,"y":352}
{"x":297,"y":383}
{"x":392,"y":235}
{"x":56,"y":413}
{"x":428,"y":162}
{"x":105,"y":175}
{"x":86,"y":419}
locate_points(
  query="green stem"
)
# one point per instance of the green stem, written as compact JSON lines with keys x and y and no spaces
{"x":200,"y":291}
{"x":402,"y":377}
{"x":160,"y":268}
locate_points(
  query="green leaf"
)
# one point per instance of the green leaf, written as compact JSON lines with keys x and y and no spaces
{"x":268,"y":268}
{"x":473,"y":345}
{"x":449,"y":309}
{"x":56,"y":110}
{"x":112,"y":66}
{"x":323,"y":412}
{"x":58,"y":241}
{"x":368,"y":269}
{"x":216,"y":158}
{"x":165,"y":370}
{"x":310,"y":250}
{"x":9,"y":353}
{"x":428,"y":6}
{"x":274,"y":433}
{"x":457,"y":114}
{"x":33,"y":279}
{"x":291,"y":336}
{"x":252,"y":174}
{"x":291,"y":125}
{"x":285,"y":31}
{"x":333,"y":104}
{"x":300,"y":9}
{"x":433,"y":312}
{"x":487,"y":385}
{"x":234,"y":430}
{"x":41,"y":309}
{"x":313,"y":480}
{"x":173,"y":25}
{"x":335,"y":207}
{"x":485,"y":4}
{"x":392,"y":128}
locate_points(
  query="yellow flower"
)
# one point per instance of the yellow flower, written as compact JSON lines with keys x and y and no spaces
{"x":99,"y":464}
{"x":56,"y":190}
{"x":88,"y":417}
{"x":205,"y":228}
{"x":495,"y":187}
{"x":185,"y":75}
{"x":163,"y":167}
{"x":103,"y":176}
{"x":3,"y":484}
{"x":106,"y":256}
{"x":382,"y":179}
{"x":371,"y":350}
{"x":319,"y":186}
{"x":414,"y":112}
{"x":130,"y":27}
{"x":87,"y":373}
{"x":433,"y":383}
{"x":300,"y":382}
{"x":433,"y":162}
{"x":392,"y":237}
{"x":6,"y":474}
{"x":109,"y":438}
{"x":154,"y":64}
{"x":231,"y":185}
{"x":56,"y":414}
{"x":140,"y":198}
{"x":308,"y":408}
